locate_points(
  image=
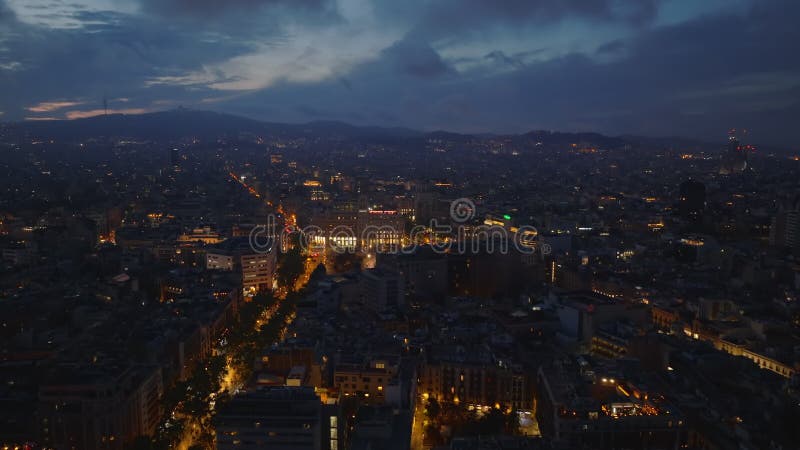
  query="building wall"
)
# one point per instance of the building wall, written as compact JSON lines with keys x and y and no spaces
{"x":257,"y":271}
{"x":107,"y":414}
{"x":369,"y":382}
{"x":476,"y":385}
{"x":275,"y":421}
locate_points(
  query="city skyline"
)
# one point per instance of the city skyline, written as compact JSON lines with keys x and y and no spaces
{"x":195,"y":121}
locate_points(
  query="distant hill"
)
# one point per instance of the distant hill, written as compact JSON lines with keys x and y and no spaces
{"x":184,"y":123}
{"x":178,"y":123}
{"x":559,"y":138}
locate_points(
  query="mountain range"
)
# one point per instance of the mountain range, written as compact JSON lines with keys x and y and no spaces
{"x":184,"y":123}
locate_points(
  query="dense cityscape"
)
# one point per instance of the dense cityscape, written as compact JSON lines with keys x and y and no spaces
{"x":200,"y":291}
{"x":399,"y":225}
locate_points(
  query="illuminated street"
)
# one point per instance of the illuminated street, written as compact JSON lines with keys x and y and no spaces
{"x":418,"y":425}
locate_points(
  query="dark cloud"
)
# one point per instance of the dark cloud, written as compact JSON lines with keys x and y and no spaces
{"x":6,"y":15}
{"x":611,"y":47}
{"x":697,"y":79}
{"x":499,"y":57}
{"x":210,"y":10}
{"x":445,"y":17}
{"x":513,"y":10}
{"x":114,"y":55}
{"x":416,"y":58}
{"x":346,"y":83}
{"x":636,"y":11}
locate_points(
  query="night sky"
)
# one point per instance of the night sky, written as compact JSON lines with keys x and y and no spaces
{"x":691,"y":68}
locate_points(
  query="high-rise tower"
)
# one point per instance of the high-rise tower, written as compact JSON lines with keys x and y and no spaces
{"x":734,"y":160}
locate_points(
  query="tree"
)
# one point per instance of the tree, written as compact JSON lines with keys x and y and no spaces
{"x":290,"y":267}
{"x":141,"y":443}
{"x":345,"y":262}
{"x":495,"y":421}
{"x":433,"y":409}
{"x":433,"y":436}
{"x":318,"y":273}
{"x":264,"y":300}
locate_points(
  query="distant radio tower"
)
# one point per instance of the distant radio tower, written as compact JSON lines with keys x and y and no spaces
{"x":105,"y":105}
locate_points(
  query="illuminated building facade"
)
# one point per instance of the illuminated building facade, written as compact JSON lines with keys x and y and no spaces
{"x":475,"y":384}
{"x":734,"y":160}
{"x":371,"y":381}
{"x":382,"y":230}
{"x":236,"y":254}
{"x":580,"y":409}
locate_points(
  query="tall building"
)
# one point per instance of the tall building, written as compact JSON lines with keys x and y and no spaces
{"x":785,"y":230}
{"x":93,"y":408}
{"x":277,"y":418}
{"x":692,"y":199}
{"x":381,"y":427}
{"x":237,"y":254}
{"x":469,"y":377}
{"x":338,"y":227}
{"x":734,"y":160}
{"x":19,"y":253}
{"x":174,"y":157}
{"x":579,"y":410}
{"x":424,"y":271}
{"x":383,"y":289}
{"x":381,"y":230}
{"x":370,"y":380}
